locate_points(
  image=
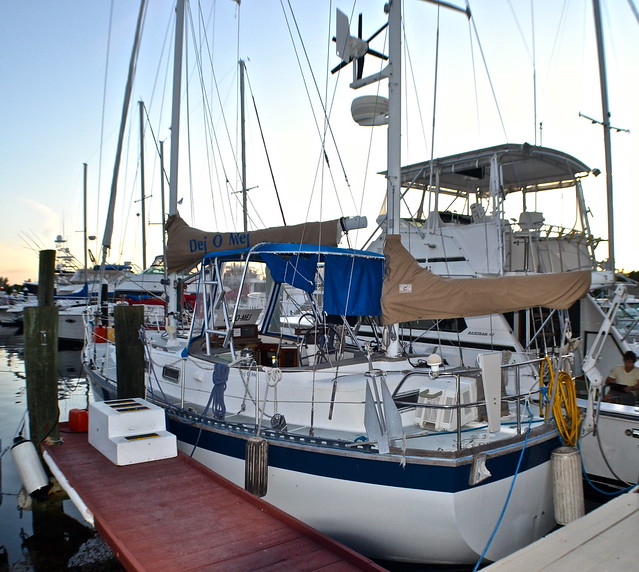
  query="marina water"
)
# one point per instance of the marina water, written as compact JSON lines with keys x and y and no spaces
{"x":55,"y":537}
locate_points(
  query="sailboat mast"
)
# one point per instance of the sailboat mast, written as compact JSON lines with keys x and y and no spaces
{"x":142,"y":189}
{"x":243,"y":137}
{"x":606,"y":127}
{"x":175,"y":109}
{"x":108,"y":228}
{"x":394,"y":116}
{"x":172,"y":302}
{"x":84,"y":216}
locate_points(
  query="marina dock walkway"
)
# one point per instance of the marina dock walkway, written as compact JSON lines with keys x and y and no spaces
{"x":175,"y":514}
{"x":602,"y":540}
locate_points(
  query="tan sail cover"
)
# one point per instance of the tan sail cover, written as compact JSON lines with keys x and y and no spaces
{"x":186,"y":245}
{"x":411,"y":292}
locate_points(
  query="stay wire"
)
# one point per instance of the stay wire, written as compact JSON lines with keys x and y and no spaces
{"x":490,"y":81}
{"x":308,"y":94}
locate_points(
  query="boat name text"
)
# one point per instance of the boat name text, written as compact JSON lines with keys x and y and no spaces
{"x":220,"y":241}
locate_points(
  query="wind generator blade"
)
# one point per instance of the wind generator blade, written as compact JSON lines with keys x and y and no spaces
{"x":377,"y":54}
{"x":360,"y":67}
{"x":377,"y":33}
{"x":343,"y":37}
{"x":360,"y":60}
{"x":339,"y":66}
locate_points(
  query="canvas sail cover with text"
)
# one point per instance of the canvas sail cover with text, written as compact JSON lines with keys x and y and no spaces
{"x":411,"y":292}
{"x":186,"y":245}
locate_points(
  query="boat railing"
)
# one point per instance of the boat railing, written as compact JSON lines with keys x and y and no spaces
{"x":550,"y":248}
{"x":514,"y":371}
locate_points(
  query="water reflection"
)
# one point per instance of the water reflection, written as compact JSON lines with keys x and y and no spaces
{"x":53,"y":536}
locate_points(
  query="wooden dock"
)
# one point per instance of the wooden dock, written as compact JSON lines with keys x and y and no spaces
{"x":602,"y":540}
{"x":175,"y":514}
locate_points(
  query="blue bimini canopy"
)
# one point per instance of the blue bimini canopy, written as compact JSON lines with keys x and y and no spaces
{"x":352,"y":278}
{"x":297,"y":269}
{"x":353,"y":286}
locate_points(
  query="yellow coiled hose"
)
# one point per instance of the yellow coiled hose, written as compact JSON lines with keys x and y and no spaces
{"x":564,"y":404}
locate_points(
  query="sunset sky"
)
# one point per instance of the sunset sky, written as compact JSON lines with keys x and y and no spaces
{"x":64,"y":68}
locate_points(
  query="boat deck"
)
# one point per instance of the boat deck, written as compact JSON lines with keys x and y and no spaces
{"x":175,"y":514}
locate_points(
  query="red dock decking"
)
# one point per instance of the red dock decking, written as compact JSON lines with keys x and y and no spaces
{"x":175,"y":514}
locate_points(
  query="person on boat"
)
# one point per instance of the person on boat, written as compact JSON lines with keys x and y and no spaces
{"x":623,"y":381}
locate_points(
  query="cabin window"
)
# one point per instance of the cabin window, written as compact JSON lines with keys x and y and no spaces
{"x":444,"y":325}
{"x":171,"y":374}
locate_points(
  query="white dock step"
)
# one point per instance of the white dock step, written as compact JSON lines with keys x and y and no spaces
{"x":129,"y":431}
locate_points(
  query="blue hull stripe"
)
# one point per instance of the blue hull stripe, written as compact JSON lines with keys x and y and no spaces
{"x":338,"y":465}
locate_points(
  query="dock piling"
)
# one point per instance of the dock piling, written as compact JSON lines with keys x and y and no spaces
{"x":129,"y":351}
{"x":41,"y":357}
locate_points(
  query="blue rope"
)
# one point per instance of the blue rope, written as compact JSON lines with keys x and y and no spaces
{"x":595,"y":487}
{"x":220,"y":377}
{"x":510,"y":492}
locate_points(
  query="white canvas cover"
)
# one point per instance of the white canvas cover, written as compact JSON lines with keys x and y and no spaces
{"x":411,"y":292}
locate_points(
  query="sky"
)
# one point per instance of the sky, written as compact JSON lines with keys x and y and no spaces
{"x":64,"y":67}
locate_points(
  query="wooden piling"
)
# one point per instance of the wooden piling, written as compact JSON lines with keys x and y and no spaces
{"x":129,"y":351}
{"x":46,"y":278}
{"x":41,"y":356}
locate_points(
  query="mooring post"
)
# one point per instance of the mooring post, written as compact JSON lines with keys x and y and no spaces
{"x":46,"y":278}
{"x":41,"y":356}
{"x":129,"y":351}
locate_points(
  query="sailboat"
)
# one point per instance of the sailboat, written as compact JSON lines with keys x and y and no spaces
{"x":401,"y":456}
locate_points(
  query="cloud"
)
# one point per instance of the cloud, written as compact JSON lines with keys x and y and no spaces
{"x":47,"y":223}
{"x":34,"y":220}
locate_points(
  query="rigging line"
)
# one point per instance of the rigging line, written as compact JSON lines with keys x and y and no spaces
{"x":412,"y":74}
{"x":325,"y":98}
{"x":155,"y":140}
{"x":268,"y":158}
{"x":261,"y":223}
{"x":330,"y":129}
{"x":366,"y":170}
{"x":357,"y":207}
{"x":521,"y":32}
{"x":532,"y":23}
{"x":208,"y":118}
{"x":108,"y":230}
{"x":472,"y":59}
{"x":560,"y":26}
{"x":420,"y":210}
{"x":188,"y":118}
{"x":238,"y":111}
{"x":126,"y":211}
{"x":102,"y":119}
{"x":490,"y":81}
{"x":307,"y":94}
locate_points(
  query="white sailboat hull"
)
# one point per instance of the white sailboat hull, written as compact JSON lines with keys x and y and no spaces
{"x":403,"y":524}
